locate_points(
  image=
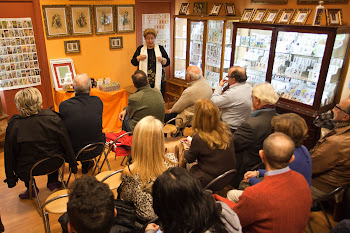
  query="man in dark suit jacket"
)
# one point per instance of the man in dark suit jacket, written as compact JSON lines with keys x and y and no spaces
{"x":249,"y":137}
{"x":83,"y":119}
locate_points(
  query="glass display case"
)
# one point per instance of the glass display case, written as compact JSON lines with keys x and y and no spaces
{"x":228,"y":48}
{"x":180,"y":47}
{"x":196,"y":43}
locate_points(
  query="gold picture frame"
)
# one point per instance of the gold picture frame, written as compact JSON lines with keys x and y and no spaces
{"x":81,"y":20}
{"x":215,"y":10}
{"x":125,"y":18}
{"x":334,"y":17}
{"x":286,"y":16}
{"x":259,"y":16}
{"x":116,"y":42}
{"x":72,"y":46}
{"x":56,"y":20}
{"x":200,"y":8}
{"x":271,"y":16}
{"x":325,"y":1}
{"x":247,"y":14}
{"x":301,"y":16}
{"x":184,"y":8}
{"x":230,"y":9}
{"x":104,"y":19}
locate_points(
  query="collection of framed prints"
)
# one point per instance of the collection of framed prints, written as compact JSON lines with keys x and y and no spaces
{"x":200,"y":8}
{"x":76,"y":20}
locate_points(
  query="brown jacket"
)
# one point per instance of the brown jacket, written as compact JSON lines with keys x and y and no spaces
{"x":331,"y":160}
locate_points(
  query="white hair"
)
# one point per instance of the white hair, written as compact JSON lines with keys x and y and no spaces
{"x":195,"y":76}
{"x":265,"y":93}
{"x":82,"y":83}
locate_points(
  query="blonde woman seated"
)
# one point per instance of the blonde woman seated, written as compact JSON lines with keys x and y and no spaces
{"x":211,"y":145}
{"x":149,"y":161}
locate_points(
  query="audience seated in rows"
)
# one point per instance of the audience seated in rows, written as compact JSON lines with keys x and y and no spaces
{"x":236,"y":102}
{"x":149,"y":161}
{"x":183,"y":206}
{"x":249,"y":137}
{"x":82,"y":115}
{"x":146,"y":101}
{"x":296,"y":128}
{"x":331,"y":155}
{"x":211,"y":146}
{"x":282,"y":201}
{"x":34,"y":135}
{"x":198,"y":88}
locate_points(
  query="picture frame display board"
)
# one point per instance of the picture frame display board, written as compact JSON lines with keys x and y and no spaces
{"x":160,"y":23}
{"x":60,"y":68}
{"x":104,"y":19}
{"x":81,"y":20}
{"x":125,"y":18}
{"x":19,"y":65}
{"x":56,"y":20}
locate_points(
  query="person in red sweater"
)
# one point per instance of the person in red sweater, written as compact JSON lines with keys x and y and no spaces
{"x":282,"y":201}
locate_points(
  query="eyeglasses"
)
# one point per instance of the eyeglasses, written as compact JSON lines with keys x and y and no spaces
{"x":339,"y":108}
{"x":150,"y":38}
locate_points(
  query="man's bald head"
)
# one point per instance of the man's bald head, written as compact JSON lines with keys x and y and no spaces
{"x":194,"y":73}
{"x":237,"y":73}
{"x":278,"y":149}
{"x":82,"y":83}
{"x":342,"y":111}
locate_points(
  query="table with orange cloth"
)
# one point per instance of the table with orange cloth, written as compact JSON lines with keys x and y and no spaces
{"x":113,"y":103}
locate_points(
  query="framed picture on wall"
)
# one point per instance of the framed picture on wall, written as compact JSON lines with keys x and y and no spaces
{"x":247,"y":14}
{"x":326,"y":1}
{"x":72,"y":46}
{"x":269,"y":1}
{"x":200,"y":8}
{"x":334,"y":17}
{"x":184,"y":8}
{"x":230,"y":9}
{"x":56,"y":20}
{"x":301,"y":16}
{"x":271,"y":16}
{"x":258,"y":16}
{"x":81,"y":20}
{"x":116,"y":42}
{"x":60,"y":69}
{"x":215,"y":10}
{"x":104,"y":19}
{"x":125,"y":18}
{"x":286,"y":16}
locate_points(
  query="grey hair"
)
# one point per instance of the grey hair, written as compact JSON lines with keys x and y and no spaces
{"x":28,"y":101}
{"x":265,"y":93}
{"x":82,"y":83}
{"x":195,"y":76}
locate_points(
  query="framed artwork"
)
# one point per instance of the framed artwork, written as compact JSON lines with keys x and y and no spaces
{"x":247,"y":14}
{"x":72,"y":46}
{"x":125,"y":18}
{"x":56,"y":20}
{"x":286,"y":16}
{"x":104,"y":19}
{"x":81,"y":20}
{"x":116,"y":42}
{"x":215,"y":10}
{"x":258,"y":16}
{"x":60,"y":68}
{"x":200,"y":8}
{"x":301,"y":16}
{"x":230,"y":9}
{"x":270,"y":1}
{"x":334,"y":17}
{"x":184,"y":8}
{"x":271,"y":16}
{"x":325,"y":1}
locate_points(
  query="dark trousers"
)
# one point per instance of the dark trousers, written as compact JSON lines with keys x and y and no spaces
{"x":169,"y":116}
{"x":51,"y":178}
{"x":126,"y":123}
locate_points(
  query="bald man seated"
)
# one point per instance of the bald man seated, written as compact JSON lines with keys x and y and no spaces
{"x":198,"y":88}
{"x":282,"y":201}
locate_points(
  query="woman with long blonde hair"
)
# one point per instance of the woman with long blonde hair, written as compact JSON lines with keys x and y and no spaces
{"x":212,"y":144}
{"x":149,"y":161}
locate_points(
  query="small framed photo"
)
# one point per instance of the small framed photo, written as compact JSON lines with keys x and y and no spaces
{"x":56,"y":20}
{"x":72,"y":46}
{"x":258,"y":16}
{"x":60,"y":69}
{"x":125,"y":18}
{"x":200,"y":8}
{"x":334,"y":17}
{"x":215,"y":10}
{"x":247,"y":14}
{"x":301,"y":16}
{"x":116,"y":42}
{"x":230,"y":9}
{"x":81,"y":20}
{"x":271,"y":16}
{"x":184,"y":8}
{"x":104,"y":19}
{"x":286,"y":16}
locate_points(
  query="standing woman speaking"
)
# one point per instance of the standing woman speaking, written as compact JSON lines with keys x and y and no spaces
{"x":151,"y":58}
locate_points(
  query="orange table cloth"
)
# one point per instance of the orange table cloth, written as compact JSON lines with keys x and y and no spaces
{"x":113,"y":103}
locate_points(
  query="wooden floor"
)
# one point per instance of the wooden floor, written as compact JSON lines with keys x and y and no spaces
{"x":20,"y":216}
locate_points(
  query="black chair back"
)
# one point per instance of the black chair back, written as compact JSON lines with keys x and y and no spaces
{"x":96,"y":149}
{"x":47,"y":166}
{"x":221,"y":181}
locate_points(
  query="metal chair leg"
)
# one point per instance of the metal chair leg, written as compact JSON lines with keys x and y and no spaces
{"x":310,"y":228}
{"x":326,"y":216}
{"x":30,"y":188}
{"x":47,"y":223}
{"x":61,"y":177}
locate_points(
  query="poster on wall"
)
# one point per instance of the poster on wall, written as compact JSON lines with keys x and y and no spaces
{"x":19,"y":65}
{"x":161,"y":23}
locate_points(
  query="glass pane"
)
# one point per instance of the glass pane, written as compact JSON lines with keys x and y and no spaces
{"x":252,"y":52}
{"x":180,"y":47}
{"x":297,"y":65}
{"x":228,"y":48}
{"x":213,"y":52}
{"x":334,"y":69}
{"x":196,"y":43}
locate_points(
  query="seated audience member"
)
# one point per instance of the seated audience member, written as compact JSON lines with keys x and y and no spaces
{"x":82,"y":115}
{"x":183,"y":206}
{"x":296,"y":128}
{"x":331,"y":155}
{"x":90,"y":207}
{"x":282,"y":201}
{"x":34,"y":135}
{"x":212,"y":144}
{"x":198,"y":88}
{"x":342,"y":227}
{"x":236,"y":102}
{"x":149,"y":161}
{"x":249,"y":137}
{"x":146,"y":101}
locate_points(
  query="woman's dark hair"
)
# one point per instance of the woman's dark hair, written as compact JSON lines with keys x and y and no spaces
{"x":183,"y":206}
